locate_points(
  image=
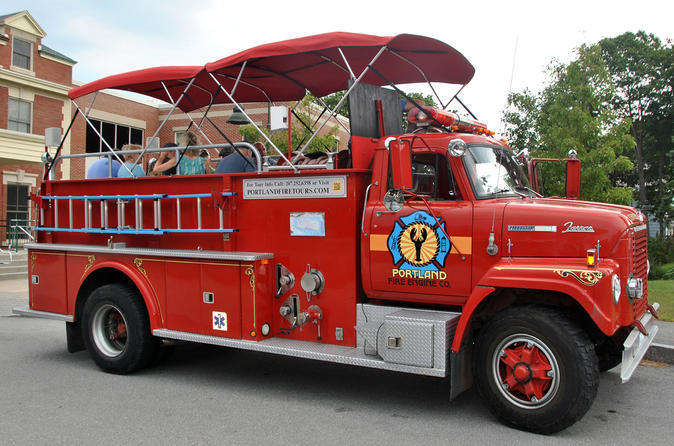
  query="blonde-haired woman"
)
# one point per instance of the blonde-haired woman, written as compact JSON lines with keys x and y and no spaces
{"x":128,"y":162}
{"x":190,"y":162}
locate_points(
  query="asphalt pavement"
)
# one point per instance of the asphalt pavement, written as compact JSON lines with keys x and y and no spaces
{"x":210,"y":395}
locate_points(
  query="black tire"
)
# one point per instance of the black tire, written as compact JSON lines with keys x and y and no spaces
{"x":536,"y":370}
{"x":116,"y":329}
{"x":610,"y":354}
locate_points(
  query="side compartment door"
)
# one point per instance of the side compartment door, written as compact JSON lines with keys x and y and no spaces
{"x":421,"y":251}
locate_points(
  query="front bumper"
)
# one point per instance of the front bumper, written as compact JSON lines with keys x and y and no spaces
{"x":637,"y":343}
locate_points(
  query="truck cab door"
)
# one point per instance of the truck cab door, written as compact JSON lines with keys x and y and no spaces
{"x":422,"y":252}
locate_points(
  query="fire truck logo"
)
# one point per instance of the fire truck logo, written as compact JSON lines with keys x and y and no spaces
{"x":417,"y":243}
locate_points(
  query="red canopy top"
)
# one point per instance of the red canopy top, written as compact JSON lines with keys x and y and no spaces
{"x":146,"y":81}
{"x":283,"y":71}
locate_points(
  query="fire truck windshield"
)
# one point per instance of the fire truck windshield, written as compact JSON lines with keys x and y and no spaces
{"x":494,"y":172}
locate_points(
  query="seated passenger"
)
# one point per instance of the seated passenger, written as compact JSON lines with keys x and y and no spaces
{"x":128,"y":162}
{"x":100,"y":168}
{"x":241,"y":161}
{"x":165,"y":164}
{"x":190,"y":162}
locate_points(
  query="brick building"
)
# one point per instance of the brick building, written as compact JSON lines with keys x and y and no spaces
{"x":34,"y":84}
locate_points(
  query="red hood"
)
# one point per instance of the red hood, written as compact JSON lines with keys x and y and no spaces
{"x":565,"y":228}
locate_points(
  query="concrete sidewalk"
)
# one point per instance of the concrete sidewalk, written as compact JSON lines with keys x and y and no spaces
{"x":14,"y":293}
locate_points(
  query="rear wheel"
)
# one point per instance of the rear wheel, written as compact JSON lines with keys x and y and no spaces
{"x":536,"y":369}
{"x":116,"y":329}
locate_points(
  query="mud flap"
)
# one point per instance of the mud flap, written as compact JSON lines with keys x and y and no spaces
{"x":460,"y":370}
{"x":74,"y":337}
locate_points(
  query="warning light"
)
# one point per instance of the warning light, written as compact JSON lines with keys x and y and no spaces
{"x":433,"y":116}
{"x":253,"y":333}
{"x":591,"y":257}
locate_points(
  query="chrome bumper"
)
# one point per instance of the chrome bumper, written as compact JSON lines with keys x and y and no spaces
{"x":636,"y":345}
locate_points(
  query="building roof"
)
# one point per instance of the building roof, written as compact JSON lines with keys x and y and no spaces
{"x":53,"y":53}
{"x":3,"y":17}
{"x":24,"y":21}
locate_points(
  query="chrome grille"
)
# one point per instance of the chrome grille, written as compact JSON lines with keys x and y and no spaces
{"x":640,"y":268}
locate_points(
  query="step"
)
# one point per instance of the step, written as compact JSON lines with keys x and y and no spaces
{"x":11,"y":276}
{"x":12,"y":268}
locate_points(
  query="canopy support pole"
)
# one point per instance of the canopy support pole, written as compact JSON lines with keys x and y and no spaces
{"x":353,"y":76}
{"x":264,"y":135}
{"x":238,"y":78}
{"x":58,"y":150}
{"x":188,"y":115}
{"x":341,"y":101}
{"x":173,"y":108}
{"x":112,"y":151}
{"x":437,"y":96}
{"x":323,"y":104}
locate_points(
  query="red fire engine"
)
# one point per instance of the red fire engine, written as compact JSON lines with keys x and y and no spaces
{"x":424,"y":252}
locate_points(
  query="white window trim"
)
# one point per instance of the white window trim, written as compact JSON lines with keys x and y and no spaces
{"x":30,"y":130}
{"x":178,"y":131}
{"x":20,"y":178}
{"x":101,"y":146}
{"x":32,"y":61}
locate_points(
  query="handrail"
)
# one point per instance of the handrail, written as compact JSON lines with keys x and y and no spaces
{"x":13,"y":227}
{"x":244,"y":145}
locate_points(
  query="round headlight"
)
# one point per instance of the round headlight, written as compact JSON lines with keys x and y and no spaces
{"x":616,"y":288}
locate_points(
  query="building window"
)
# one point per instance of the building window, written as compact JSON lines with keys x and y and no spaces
{"x":17,"y":202}
{"x":21,"y":52}
{"x":19,"y":115}
{"x":116,"y":135}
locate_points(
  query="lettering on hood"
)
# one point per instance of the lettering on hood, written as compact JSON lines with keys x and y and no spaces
{"x":570,"y":227}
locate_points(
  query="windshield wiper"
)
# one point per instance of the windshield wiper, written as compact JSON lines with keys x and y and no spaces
{"x":513,"y":191}
{"x":521,"y":186}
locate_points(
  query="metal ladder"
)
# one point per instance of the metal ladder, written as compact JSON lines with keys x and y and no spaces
{"x":121,"y":201}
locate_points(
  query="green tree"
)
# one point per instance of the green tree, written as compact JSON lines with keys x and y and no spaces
{"x":641,"y":70}
{"x":573,"y":113}
{"x":299,"y":135}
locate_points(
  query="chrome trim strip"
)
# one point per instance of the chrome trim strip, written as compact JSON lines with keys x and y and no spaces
{"x":184,"y":253}
{"x":302,"y":349}
{"x":25,"y":311}
{"x":636,"y":345}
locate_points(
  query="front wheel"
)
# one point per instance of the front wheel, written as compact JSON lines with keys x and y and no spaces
{"x":116,"y":329}
{"x":536,"y":369}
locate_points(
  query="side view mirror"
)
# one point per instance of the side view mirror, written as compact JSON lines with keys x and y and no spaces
{"x":572,"y":175}
{"x":401,"y":163}
{"x":394,"y":200}
{"x":573,"y":178}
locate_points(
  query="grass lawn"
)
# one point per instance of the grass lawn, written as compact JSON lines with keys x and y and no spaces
{"x":662,"y":291}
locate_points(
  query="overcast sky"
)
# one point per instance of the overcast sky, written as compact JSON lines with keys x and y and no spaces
{"x":112,"y":37}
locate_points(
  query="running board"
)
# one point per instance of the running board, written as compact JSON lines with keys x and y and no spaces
{"x":25,"y":311}
{"x":303,"y":349}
